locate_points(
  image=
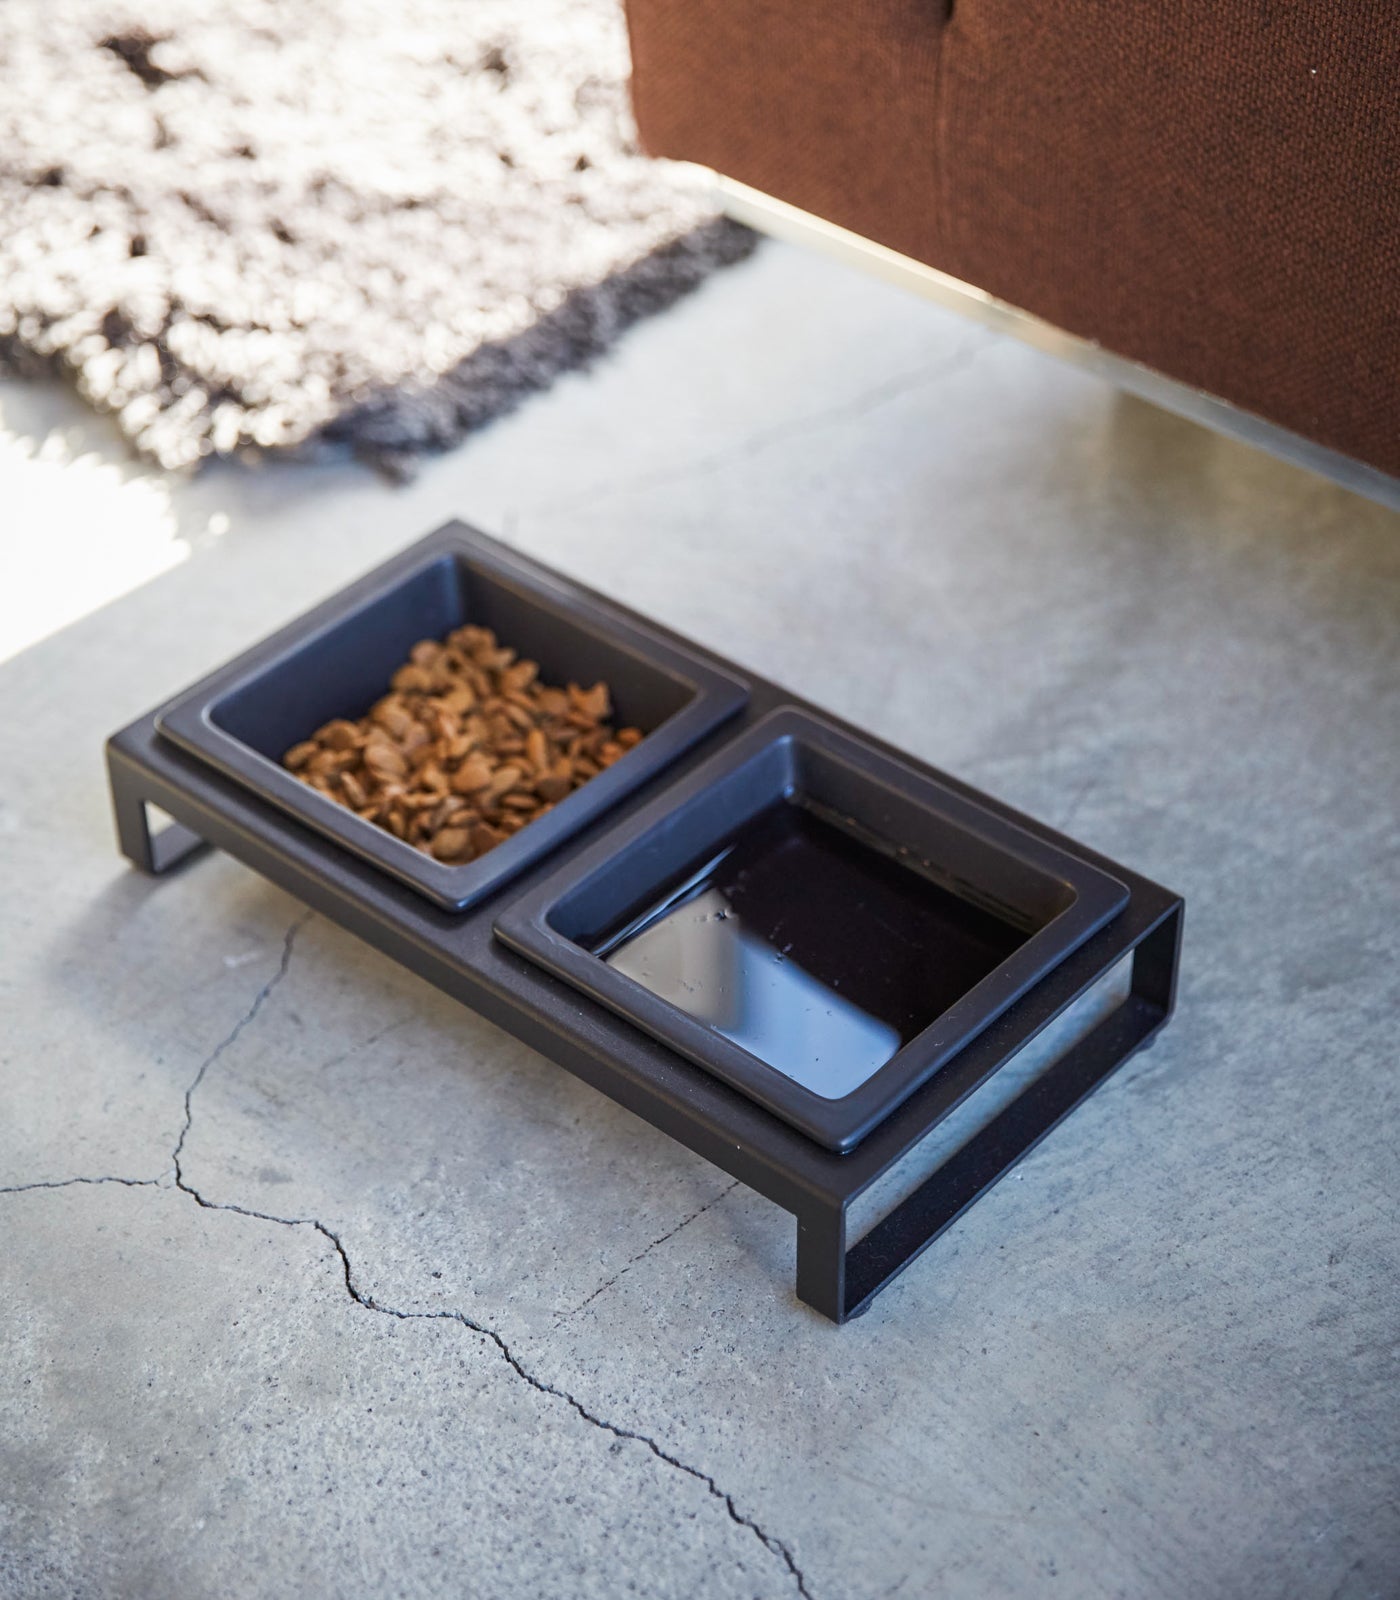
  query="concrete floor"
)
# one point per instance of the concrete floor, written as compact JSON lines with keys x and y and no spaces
{"x":1159,"y":1361}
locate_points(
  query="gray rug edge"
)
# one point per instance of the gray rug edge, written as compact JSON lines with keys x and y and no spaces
{"x":399,"y":425}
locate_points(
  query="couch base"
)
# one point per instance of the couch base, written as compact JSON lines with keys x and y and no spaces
{"x":788,"y":222}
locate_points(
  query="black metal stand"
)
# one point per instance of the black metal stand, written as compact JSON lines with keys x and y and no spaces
{"x":456,"y":951}
{"x":838,"y":1279}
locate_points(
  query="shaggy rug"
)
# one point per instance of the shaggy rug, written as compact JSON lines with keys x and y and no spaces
{"x":293,"y":224}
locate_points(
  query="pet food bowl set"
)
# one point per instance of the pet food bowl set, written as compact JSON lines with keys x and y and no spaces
{"x":791,"y":948}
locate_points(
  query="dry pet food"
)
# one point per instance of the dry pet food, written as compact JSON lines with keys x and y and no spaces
{"x":467,"y":748}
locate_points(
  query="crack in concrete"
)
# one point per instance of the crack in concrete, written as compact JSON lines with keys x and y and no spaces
{"x":775,"y":1546}
{"x":770,"y":1542}
{"x":641,"y":1254}
{"x":67,"y":1183}
{"x":259,"y":1000}
{"x":1073,"y":808}
{"x":367,"y":1302}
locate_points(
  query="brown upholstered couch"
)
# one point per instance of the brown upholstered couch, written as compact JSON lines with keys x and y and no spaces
{"x":1210,"y":189}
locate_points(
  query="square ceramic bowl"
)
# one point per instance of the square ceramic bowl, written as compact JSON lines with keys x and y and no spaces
{"x":815,"y":922}
{"x":336,"y":661}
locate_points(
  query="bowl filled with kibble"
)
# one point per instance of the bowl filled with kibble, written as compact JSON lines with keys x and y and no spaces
{"x":455,"y":714}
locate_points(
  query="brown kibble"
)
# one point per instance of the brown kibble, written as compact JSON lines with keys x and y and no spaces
{"x":593,"y":703}
{"x":450,"y":842}
{"x":473,"y":774}
{"x":453,"y":806}
{"x":473,"y":641}
{"x":505,"y":779}
{"x":556,"y":783}
{"x":467,"y":748}
{"x":327,"y":761}
{"x":339,"y":735}
{"x":484,"y":837}
{"x":520,"y":676}
{"x":383,"y":760}
{"x":518,"y":716}
{"x":391,"y":716}
{"x":408,"y":680}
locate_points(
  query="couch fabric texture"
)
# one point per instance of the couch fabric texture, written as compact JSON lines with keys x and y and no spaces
{"x":1214,"y":191}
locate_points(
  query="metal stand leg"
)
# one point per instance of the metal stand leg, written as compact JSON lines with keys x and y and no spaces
{"x":821,"y":1261}
{"x":841,"y":1283}
{"x":152,"y":852}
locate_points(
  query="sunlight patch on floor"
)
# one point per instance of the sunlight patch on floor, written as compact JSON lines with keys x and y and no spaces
{"x":78,"y":531}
